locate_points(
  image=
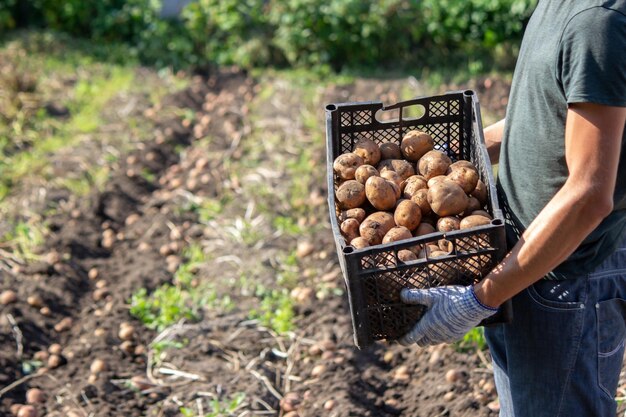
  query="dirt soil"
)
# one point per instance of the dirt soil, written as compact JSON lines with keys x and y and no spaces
{"x":71,"y":305}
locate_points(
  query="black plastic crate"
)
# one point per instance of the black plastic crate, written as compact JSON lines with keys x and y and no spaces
{"x":374,"y":276}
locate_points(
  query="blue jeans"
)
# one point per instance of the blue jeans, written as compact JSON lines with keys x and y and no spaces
{"x":562,"y":354}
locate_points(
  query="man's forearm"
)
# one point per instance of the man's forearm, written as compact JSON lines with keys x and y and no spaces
{"x":549,"y":240}
{"x":493,"y":139}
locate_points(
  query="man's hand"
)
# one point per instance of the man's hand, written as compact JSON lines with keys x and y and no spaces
{"x":451,"y":312}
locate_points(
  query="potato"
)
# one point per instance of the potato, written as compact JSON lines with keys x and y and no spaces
{"x":380,"y":193}
{"x":481,"y":213}
{"x":350,"y":229}
{"x":461,"y":163}
{"x":424,"y":229}
{"x":351,"y":194}
{"x":368,"y":150}
{"x":447,"y":198}
{"x":448,"y":224}
{"x":438,"y":254}
{"x":404,"y":168}
{"x":375,"y":227}
{"x":345,"y":165}
{"x":392,"y":176}
{"x":396,"y":234}
{"x":412,"y":185}
{"x":390,"y":150}
{"x":435,"y":180}
{"x":480,"y":192}
{"x":396,"y":190}
{"x":473,"y":204}
{"x":466,"y":177}
{"x":445,"y":245}
{"x":421,"y":199}
{"x":365,"y":171}
{"x":406,"y":255}
{"x":474,"y":220}
{"x":355,"y":213}
{"x":415,"y":144}
{"x":407,"y":214}
{"x":433,"y":163}
{"x":359,"y":243}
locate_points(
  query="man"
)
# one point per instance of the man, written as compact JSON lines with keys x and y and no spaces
{"x":562,"y":183}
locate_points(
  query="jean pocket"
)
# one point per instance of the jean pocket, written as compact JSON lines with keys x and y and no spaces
{"x":565,"y":295}
{"x":611,"y":316}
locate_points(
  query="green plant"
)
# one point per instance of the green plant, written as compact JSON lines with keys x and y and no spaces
{"x":275,"y":310}
{"x":165,"y":306}
{"x":230,"y":31}
{"x":159,"y":348}
{"x":472,"y":341}
{"x":24,"y":239}
{"x":219,"y":407}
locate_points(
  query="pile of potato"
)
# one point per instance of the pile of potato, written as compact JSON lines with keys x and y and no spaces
{"x":392,"y":192}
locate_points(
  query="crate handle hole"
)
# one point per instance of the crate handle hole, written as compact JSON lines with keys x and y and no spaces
{"x":408,"y":113}
{"x":331,"y":107}
{"x":387,"y":116}
{"x":348,"y":249}
{"x":497,"y":222}
{"x":413,"y":112}
{"x":468,"y":92}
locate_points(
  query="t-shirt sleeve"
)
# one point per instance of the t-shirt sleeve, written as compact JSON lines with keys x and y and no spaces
{"x":591,"y":63}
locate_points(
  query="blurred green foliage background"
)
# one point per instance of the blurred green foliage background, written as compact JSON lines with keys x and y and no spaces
{"x":334,"y":34}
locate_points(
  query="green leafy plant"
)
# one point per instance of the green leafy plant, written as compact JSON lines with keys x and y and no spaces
{"x":24,"y":239}
{"x":275,"y":310}
{"x":219,"y":407}
{"x":472,"y":341}
{"x":165,"y":306}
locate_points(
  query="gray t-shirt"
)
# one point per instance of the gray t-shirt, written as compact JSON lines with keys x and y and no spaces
{"x":573,"y":51}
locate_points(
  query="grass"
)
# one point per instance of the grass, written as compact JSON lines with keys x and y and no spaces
{"x":276,"y":310}
{"x":219,"y":407}
{"x":44,"y":67}
{"x":162,"y":308}
{"x":24,"y":239}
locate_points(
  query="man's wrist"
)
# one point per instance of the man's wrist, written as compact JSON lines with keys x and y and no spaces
{"x":483,"y":291}
{"x":480,"y":303}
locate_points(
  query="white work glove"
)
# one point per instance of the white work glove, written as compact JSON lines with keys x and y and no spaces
{"x":451,"y":311}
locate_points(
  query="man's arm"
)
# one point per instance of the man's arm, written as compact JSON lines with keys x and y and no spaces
{"x":493,"y":139}
{"x":593,"y":136}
